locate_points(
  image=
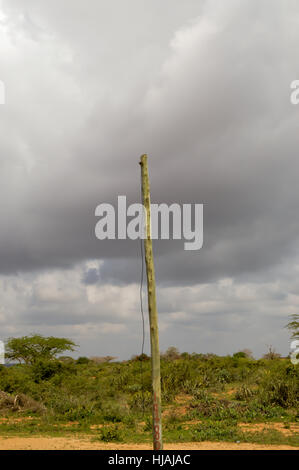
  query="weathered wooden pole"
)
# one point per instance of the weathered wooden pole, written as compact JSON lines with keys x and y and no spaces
{"x":152,"y":309}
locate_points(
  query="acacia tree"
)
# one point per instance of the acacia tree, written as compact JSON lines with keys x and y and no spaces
{"x":293,"y":326}
{"x":101,"y":359}
{"x":34,"y":348}
{"x":171,"y":354}
{"x":271,"y":354}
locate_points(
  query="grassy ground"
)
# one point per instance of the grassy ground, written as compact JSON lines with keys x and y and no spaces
{"x":205,"y":398}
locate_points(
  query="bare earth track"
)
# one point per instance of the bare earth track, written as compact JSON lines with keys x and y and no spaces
{"x":65,"y":443}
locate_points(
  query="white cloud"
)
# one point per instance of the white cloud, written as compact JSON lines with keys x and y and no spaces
{"x":226,"y":313}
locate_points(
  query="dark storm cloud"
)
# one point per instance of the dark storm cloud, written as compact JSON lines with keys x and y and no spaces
{"x":213,"y":113}
{"x":204,"y":89}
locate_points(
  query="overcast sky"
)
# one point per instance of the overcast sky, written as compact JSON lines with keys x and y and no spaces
{"x":204,"y":88}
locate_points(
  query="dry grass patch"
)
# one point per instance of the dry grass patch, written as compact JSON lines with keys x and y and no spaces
{"x":289,"y":429}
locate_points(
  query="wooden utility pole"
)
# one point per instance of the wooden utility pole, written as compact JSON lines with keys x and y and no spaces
{"x":152,"y":309}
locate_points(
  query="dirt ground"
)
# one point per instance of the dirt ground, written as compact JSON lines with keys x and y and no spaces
{"x":65,"y":443}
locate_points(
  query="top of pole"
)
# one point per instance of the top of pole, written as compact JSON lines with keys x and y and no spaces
{"x":143,"y":159}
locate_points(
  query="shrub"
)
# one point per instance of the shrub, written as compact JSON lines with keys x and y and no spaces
{"x":111,"y":434}
{"x":244,"y":393}
{"x":45,"y":370}
{"x":216,"y":431}
{"x":141,"y":401}
{"x":281,"y":387}
{"x":239,"y":355}
{"x":20,"y":402}
{"x":83,"y":360}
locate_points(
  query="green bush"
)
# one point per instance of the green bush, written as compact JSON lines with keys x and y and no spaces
{"x":281,"y":387}
{"x":216,"y":431}
{"x":83,"y":360}
{"x":141,"y":401}
{"x":111,"y":434}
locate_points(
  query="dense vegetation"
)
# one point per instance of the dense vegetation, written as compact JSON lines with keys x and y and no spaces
{"x":204,"y":397}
